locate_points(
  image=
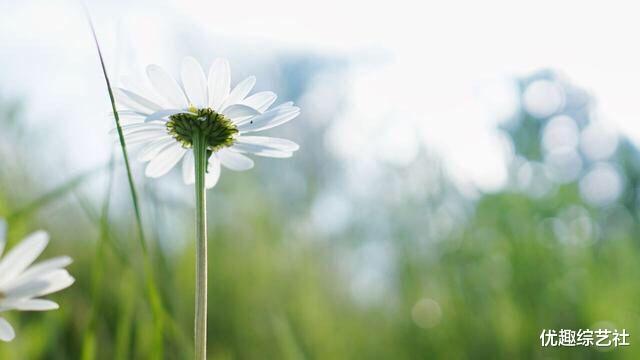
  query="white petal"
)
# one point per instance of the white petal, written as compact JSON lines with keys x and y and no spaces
{"x":150,"y":124}
{"x":123,"y":101}
{"x":260,"y":101}
{"x":6,"y":331}
{"x":25,"y":290}
{"x":234,"y":160}
{"x":144,"y":137}
{"x":44,"y":267}
{"x":284,"y":104}
{"x":141,"y":87}
{"x":36,"y":305}
{"x":166,"y":86}
{"x":271,"y":118}
{"x":239,"y":113}
{"x":260,"y":151}
{"x":188,"y":168}
{"x":194,"y":82}
{"x":162,"y":114}
{"x":268,"y":142}
{"x":152,"y":149}
{"x":130,"y":119}
{"x":219,"y":83}
{"x":130,"y":114}
{"x":44,"y":284}
{"x":56,"y":281}
{"x":21,"y":256}
{"x":165,"y":161}
{"x":239,"y":92}
{"x":134,"y":128}
{"x":213,"y":172}
{"x":143,"y":103}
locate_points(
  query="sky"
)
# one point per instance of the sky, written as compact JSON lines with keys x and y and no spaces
{"x":436,"y":73}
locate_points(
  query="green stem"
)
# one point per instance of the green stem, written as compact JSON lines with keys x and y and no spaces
{"x":200,"y":155}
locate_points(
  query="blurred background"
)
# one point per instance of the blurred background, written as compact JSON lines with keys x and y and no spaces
{"x":468,"y":176}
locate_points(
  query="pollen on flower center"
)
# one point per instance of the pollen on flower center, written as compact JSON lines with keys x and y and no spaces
{"x":218,"y":130}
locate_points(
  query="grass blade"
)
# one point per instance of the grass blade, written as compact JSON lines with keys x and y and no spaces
{"x":152,"y":289}
{"x":123,"y":145}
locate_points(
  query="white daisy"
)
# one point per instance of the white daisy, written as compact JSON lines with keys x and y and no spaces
{"x":163,"y":121}
{"x":22,"y":285}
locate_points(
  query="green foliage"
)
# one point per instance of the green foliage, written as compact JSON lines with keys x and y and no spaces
{"x":279,"y":289}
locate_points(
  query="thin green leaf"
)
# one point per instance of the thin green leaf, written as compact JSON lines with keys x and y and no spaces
{"x":152,"y":289}
{"x":123,"y":145}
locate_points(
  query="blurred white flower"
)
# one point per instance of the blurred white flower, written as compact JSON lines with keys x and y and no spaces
{"x":21,"y":284}
{"x":165,"y":120}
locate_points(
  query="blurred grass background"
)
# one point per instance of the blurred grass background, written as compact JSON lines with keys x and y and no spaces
{"x":308,"y":262}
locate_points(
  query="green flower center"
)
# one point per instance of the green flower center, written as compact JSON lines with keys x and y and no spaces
{"x":218,"y":131}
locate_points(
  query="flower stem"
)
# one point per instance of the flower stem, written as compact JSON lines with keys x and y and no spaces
{"x":200,"y":155}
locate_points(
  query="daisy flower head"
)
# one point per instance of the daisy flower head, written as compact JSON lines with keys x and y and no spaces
{"x":22,"y":284}
{"x":165,"y":119}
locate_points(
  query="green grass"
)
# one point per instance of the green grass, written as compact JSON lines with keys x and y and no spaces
{"x":278,"y":294}
{"x":279,"y":289}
